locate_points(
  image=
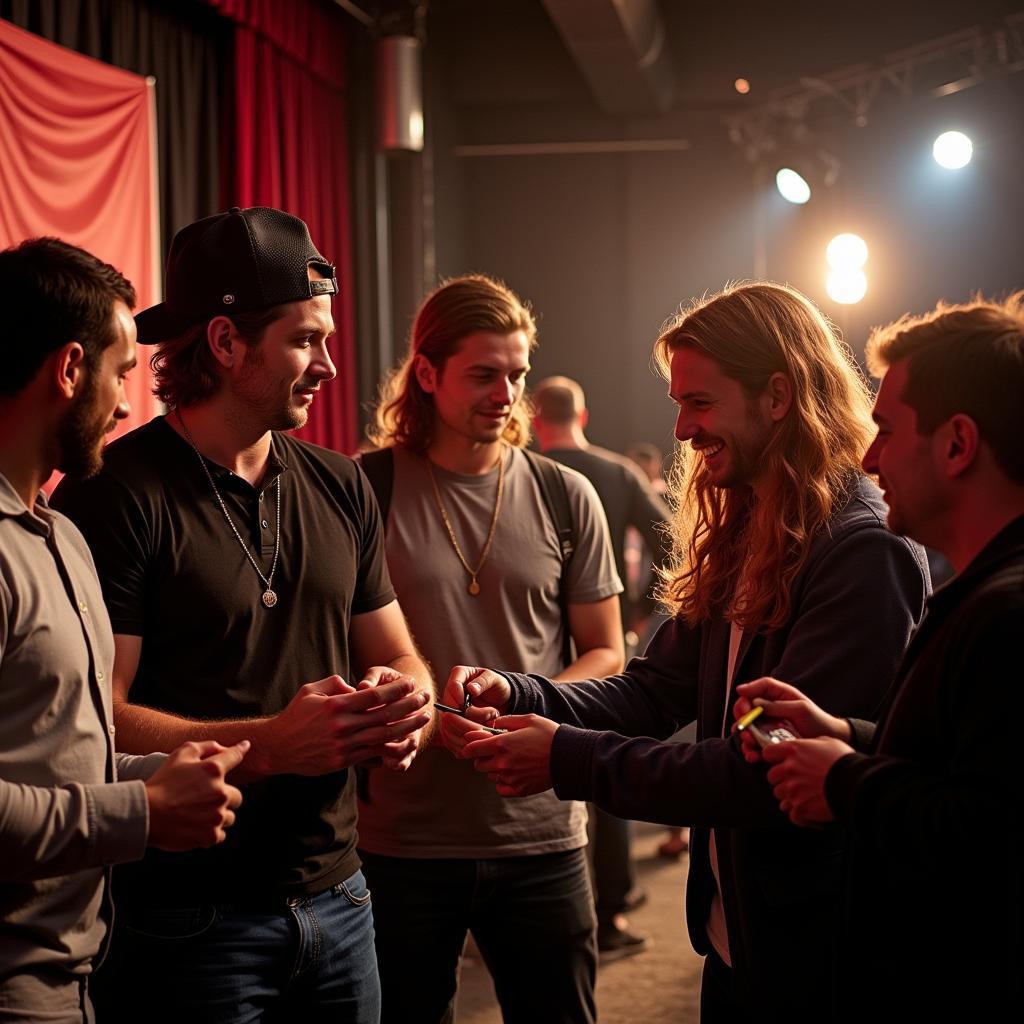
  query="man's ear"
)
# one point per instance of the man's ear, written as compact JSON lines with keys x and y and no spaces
{"x":225,"y":344}
{"x":959,"y":444}
{"x":584,"y":418}
{"x":425,"y":373}
{"x":780,"y":396}
{"x":69,"y":369}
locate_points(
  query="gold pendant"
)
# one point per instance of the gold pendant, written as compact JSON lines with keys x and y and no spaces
{"x":474,"y":587}
{"x":269,"y":598}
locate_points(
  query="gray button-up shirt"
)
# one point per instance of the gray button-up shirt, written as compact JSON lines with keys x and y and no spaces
{"x":63,"y":816}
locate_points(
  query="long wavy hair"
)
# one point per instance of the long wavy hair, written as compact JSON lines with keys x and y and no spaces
{"x":735,"y":556}
{"x":459,"y":307}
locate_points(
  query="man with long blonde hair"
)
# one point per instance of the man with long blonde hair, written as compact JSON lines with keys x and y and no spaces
{"x":782,"y":564}
{"x":479,"y":562}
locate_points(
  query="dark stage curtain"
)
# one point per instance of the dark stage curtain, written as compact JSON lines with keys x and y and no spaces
{"x":183,"y":46}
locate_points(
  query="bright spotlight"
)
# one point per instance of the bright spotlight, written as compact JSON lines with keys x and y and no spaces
{"x":792,"y":186}
{"x":952,"y":150}
{"x":847,"y":286}
{"x":847,"y":252}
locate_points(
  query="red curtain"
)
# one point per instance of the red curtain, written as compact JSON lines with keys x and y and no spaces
{"x":291,"y":151}
{"x":77,"y":160}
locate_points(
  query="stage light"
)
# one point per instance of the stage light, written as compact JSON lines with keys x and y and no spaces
{"x":742,"y":86}
{"x":846,"y":286}
{"x":847,"y":252}
{"x":792,"y":186}
{"x":952,"y":150}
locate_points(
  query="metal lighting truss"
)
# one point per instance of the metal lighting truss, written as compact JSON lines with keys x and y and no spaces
{"x":795,"y":115}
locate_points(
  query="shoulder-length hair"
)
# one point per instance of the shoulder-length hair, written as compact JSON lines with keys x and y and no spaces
{"x":459,"y":307}
{"x":734,"y":556}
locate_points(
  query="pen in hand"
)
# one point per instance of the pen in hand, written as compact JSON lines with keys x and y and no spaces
{"x":461,"y":712}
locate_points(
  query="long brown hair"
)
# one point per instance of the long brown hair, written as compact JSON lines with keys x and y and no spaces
{"x":732,"y":555}
{"x":459,"y":307}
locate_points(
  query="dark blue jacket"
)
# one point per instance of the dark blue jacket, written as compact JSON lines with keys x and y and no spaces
{"x":855,"y":603}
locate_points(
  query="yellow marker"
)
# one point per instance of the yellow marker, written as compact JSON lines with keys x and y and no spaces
{"x":752,"y":715}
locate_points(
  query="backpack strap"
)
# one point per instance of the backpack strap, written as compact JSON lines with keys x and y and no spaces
{"x":551,"y":481}
{"x":379,"y":467}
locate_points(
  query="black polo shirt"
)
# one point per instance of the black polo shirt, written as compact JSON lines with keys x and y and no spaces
{"x":174,"y":574}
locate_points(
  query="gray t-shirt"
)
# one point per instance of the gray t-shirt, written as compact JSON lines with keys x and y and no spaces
{"x":442,"y":807}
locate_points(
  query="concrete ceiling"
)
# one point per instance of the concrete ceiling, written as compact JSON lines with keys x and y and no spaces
{"x":630,"y":55}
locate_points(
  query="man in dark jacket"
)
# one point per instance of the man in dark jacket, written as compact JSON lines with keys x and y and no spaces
{"x":784,"y":566}
{"x":933,"y":932}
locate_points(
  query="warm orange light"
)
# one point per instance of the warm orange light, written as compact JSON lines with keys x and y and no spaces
{"x":742,"y":86}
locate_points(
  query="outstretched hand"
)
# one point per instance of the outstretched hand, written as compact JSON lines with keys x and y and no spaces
{"x":519,"y":761}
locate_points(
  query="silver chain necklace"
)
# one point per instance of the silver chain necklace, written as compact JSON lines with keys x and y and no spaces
{"x":269,"y":597}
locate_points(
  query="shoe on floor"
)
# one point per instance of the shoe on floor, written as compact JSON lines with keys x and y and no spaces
{"x":615,"y":941}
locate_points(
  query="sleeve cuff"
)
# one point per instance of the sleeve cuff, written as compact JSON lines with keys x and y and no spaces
{"x":572,"y":752}
{"x":118,"y":821}
{"x":841,"y":784}
{"x":525,"y":699}
{"x":137,"y":766}
{"x":601,"y":592}
{"x":862,"y":733}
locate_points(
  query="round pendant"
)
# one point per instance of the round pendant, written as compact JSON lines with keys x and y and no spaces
{"x":269,"y":598}
{"x":474,"y":587}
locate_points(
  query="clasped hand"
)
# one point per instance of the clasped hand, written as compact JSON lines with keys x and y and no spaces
{"x":330,"y":725}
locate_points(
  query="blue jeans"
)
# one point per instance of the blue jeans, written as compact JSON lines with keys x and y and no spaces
{"x":307,"y":959}
{"x":532,"y":918}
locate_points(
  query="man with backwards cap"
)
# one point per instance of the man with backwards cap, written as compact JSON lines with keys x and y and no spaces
{"x":239,"y":564}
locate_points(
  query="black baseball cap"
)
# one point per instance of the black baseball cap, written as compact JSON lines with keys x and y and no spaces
{"x":235,"y":262}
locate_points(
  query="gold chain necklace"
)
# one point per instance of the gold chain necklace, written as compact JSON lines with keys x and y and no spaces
{"x":474,"y":587}
{"x":269,"y":596}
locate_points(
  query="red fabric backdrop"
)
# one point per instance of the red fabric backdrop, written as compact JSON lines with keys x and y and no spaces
{"x":77,"y":161}
{"x":291,"y":151}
